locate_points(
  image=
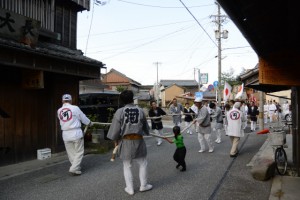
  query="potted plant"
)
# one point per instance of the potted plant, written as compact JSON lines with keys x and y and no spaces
{"x":94,"y":132}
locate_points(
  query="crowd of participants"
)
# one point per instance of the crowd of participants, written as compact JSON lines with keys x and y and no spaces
{"x":130,"y":124}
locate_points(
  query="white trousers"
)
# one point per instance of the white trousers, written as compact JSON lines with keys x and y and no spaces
{"x":159,"y":132}
{"x":197,"y":127}
{"x":202,"y":138}
{"x":143,"y":174}
{"x":75,"y":151}
{"x":218,"y":134}
{"x":177,"y":124}
{"x":189,"y":130}
{"x":271,"y":113}
{"x":266,"y":118}
{"x":253,"y":125}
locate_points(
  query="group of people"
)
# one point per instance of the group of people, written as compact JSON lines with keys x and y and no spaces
{"x":273,"y":111}
{"x":129,"y":124}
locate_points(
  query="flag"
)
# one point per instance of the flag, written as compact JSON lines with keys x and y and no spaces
{"x":239,"y":94}
{"x":227,"y":91}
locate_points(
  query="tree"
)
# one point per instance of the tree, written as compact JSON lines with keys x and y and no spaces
{"x":231,"y":78}
{"x":120,"y":88}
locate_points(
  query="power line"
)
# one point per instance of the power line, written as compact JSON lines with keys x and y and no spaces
{"x":146,"y":43}
{"x":87,"y":41}
{"x":138,"y":28}
{"x":237,"y":47}
{"x":198,"y":23}
{"x":139,"y":4}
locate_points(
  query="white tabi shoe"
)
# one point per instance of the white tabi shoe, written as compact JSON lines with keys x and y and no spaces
{"x":145,"y":188}
{"x":129,"y":191}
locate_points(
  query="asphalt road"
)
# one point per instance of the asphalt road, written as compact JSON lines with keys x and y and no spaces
{"x":208,"y":176}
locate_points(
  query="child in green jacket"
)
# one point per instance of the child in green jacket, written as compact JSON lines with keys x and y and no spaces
{"x":179,"y":155}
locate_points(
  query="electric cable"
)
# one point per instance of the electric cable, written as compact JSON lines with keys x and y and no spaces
{"x":139,"y":4}
{"x":199,"y":23}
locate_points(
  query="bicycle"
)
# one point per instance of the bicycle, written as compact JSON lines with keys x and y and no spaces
{"x":278,"y":139}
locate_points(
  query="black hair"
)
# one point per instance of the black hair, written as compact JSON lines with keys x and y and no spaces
{"x":227,"y":106}
{"x":212,"y":105}
{"x":176,"y":131}
{"x":126,"y":96}
{"x":151,"y":102}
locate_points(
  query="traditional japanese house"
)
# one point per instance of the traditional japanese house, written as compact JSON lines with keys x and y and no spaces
{"x":269,"y":27}
{"x":39,"y":62}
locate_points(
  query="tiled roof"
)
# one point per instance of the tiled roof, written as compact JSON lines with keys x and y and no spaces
{"x":183,"y":83}
{"x":49,"y":49}
{"x":132,"y":81}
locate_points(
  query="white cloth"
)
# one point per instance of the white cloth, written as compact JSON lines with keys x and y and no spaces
{"x":194,"y":108}
{"x":75,"y":151}
{"x":159,"y":132}
{"x":189,"y":130}
{"x":253,"y":125}
{"x":272,"y":109}
{"x":70,"y":118}
{"x":127,"y":167}
{"x":202,"y":137}
{"x":235,"y":119}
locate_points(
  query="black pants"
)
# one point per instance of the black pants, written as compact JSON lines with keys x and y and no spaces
{"x":179,"y":156}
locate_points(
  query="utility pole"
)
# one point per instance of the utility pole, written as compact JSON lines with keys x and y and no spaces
{"x":157,"y":84}
{"x":199,"y":78}
{"x":219,"y":34}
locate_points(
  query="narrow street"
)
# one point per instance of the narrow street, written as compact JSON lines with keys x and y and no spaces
{"x":208,"y":176}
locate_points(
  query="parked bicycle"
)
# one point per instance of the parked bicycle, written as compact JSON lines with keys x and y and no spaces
{"x":278,"y":141}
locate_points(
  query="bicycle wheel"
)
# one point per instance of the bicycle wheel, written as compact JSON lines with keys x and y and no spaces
{"x":280,"y":160}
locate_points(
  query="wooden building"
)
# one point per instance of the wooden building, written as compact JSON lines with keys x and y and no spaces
{"x":174,"y":88}
{"x":114,"y":78}
{"x":39,"y":62}
{"x":269,"y":27}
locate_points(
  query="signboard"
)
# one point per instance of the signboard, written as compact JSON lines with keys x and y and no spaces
{"x":19,"y":27}
{"x":203,"y":78}
{"x":210,"y":87}
{"x":32,"y":79}
{"x":199,"y":95}
{"x":215,"y":83}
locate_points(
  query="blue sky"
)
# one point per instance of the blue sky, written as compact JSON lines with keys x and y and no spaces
{"x":131,"y":35}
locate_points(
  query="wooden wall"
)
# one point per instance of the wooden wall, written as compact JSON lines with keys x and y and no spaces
{"x":66,"y":23}
{"x":62,"y":21}
{"x":32,"y":123}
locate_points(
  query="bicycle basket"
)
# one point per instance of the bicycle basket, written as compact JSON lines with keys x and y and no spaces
{"x":278,"y":138}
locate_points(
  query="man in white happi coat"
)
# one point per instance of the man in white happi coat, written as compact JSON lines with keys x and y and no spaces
{"x":203,"y":119}
{"x":70,"y":118}
{"x":272,"y":110}
{"x":235,"y":119}
{"x":128,"y":126}
{"x":266,"y":112}
{"x":285,"y":109}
